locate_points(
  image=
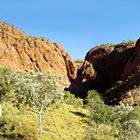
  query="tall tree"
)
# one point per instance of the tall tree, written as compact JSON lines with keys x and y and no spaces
{"x":37,"y":91}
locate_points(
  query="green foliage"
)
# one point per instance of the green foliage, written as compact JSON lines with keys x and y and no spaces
{"x":60,"y":123}
{"x":119,"y":113}
{"x":36,"y":90}
{"x":70,"y":99}
{"x":122,"y":119}
{"x":18,"y":124}
{"x":135,"y":113}
{"x":130,"y":128}
{"x":33,"y":91}
{"x":124,"y":43}
{"x":129,"y":42}
{"x":6,"y":89}
{"x":92,"y":97}
{"x":106,"y":45}
{"x":130,"y":125}
{"x":101,"y":113}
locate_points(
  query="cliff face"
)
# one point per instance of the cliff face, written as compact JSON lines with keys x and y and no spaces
{"x":127,"y":90}
{"x":133,"y":64}
{"x":114,"y":70}
{"x":18,"y":51}
{"x":109,"y":61}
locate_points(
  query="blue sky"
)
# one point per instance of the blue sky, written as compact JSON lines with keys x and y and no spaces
{"x":78,"y":25}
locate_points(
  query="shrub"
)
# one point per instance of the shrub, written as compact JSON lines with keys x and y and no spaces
{"x":130,"y":124}
{"x":18,"y":124}
{"x":93,"y":96}
{"x":70,"y":99}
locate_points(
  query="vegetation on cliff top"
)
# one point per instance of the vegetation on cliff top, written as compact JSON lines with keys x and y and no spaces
{"x":124,"y":43}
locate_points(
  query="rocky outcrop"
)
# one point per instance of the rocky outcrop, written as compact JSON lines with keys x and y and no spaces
{"x":114,"y":70}
{"x":126,"y":90}
{"x":25,"y":53}
{"x":108,"y":61}
{"x":133,"y":64}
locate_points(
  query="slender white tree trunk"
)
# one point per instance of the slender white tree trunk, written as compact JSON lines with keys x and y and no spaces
{"x":97,"y":128}
{"x":40,"y":123}
{"x":0,"y":110}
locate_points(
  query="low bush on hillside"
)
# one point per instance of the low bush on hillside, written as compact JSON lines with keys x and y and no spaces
{"x":18,"y":124}
{"x":123,"y":121}
{"x":70,"y":99}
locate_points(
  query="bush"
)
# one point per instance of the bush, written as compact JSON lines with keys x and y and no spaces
{"x":130,"y":125}
{"x":93,"y":96}
{"x":18,"y":124}
{"x":70,"y":99}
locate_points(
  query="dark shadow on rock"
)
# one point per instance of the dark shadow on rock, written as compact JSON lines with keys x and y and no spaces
{"x":108,"y":72}
{"x":80,"y":89}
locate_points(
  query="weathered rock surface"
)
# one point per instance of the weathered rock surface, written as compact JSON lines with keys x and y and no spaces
{"x":110,"y":64}
{"x":133,"y":64}
{"x":25,"y":53}
{"x":127,"y":90}
{"x":108,"y":61}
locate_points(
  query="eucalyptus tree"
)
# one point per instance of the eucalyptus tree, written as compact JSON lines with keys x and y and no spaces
{"x":37,"y":91}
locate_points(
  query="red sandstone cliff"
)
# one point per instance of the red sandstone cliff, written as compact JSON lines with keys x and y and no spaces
{"x":25,"y":53}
